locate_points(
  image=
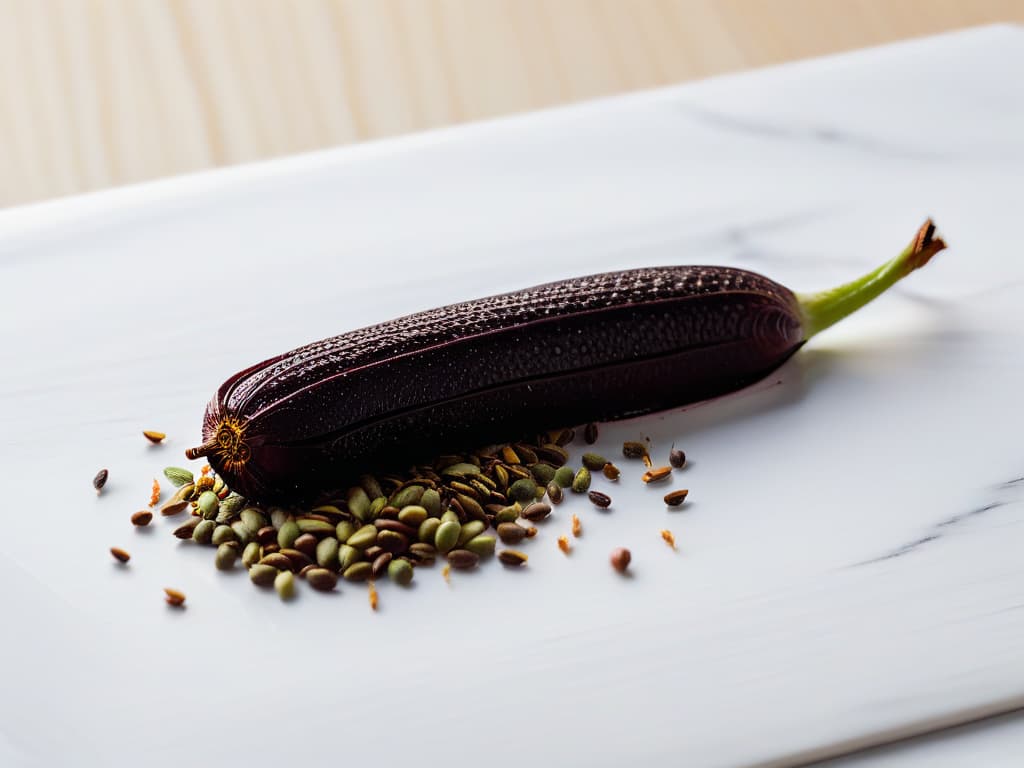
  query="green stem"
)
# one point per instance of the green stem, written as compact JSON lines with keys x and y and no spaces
{"x":820,"y":310}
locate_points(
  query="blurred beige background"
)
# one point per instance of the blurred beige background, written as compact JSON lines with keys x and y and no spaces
{"x":101,"y":92}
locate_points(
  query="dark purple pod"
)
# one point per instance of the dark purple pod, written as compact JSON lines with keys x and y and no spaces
{"x":592,"y":348}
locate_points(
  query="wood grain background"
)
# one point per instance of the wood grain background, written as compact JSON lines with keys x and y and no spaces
{"x":101,"y":92}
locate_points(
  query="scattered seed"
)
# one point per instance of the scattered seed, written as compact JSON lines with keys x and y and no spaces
{"x":610,"y":471}
{"x":594,"y":461}
{"x":174,"y":597}
{"x":284,"y":584}
{"x":322,"y":579}
{"x":447,"y":536}
{"x":554,"y":493}
{"x":511,"y":533}
{"x":632,"y":449}
{"x":590,"y":433}
{"x":185,"y":531}
{"x":203,"y":532}
{"x":251,"y":554}
{"x":400,"y":572}
{"x":512,"y":557}
{"x":564,"y":476}
{"x":482,"y":546}
{"x":602,"y":500}
{"x":355,"y":572}
{"x":577,"y":526}
{"x":669,"y":538}
{"x":507,"y":514}
{"x":536,"y":511}
{"x":262,"y":575}
{"x":581,"y":482}
{"x":100,"y":480}
{"x":654,"y":475}
{"x":531,"y":532}
{"x":120,"y":555}
{"x":463,"y":559}
{"x":223,"y":534}
{"x":153,"y":436}
{"x":523,"y":490}
{"x":172,"y":508}
{"x":373,"y":597}
{"x":142,"y":517}
{"x":675,"y":498}
{"x":347,"y":556}
{"x":208,"y":505}
{"x":178,"y":476}
{"x":620,"y":559}
{"x":563,"y":544}
{"x":676,"y":458}
{"x":380,"y":564}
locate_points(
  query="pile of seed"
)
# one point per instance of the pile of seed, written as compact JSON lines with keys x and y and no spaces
{"x":456,"y":508}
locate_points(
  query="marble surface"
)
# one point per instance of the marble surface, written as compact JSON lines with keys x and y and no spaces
{"x":849,"y":569}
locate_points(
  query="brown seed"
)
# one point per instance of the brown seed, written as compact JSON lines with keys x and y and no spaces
{"x":555,"y":494}
{"x":563,"y":544}
{"x":393,"y":542}
{"x":423,"y":550}
{"x":277,"y":560}
{"x":380,"y":565}
{"x":677,"y":458}
{"x":307,"y":569}
{"x":676,"y":498}
{"x":590,"y":433}
{"x":173,"y":507}
{"x":184,"y":531}
{"x":632,"y":449}
{"x":322,"y":579}
{"x":668,"y":538}
{"x":654,"y":475}
{"x":306,"y":543}
{"x":267,"y":535}
{"x":174,"y":597}
{"x":536,"y":511}
{"x":298,"y":559}
{"x":602,"y":500}
{"x":153,"y":436}
{"x":120,"y":555}
{"x":269,"y":549}
{"x":463,"y":559}
{"x":611,"y":471}
{"x":142,"y":517}
{"x":512,"y":557}
{"x":397,"y":527}
{"x":620,"y":559}
{"x":100,"y":480}
{"x":511,"y":533}
{"x":577,"y":527}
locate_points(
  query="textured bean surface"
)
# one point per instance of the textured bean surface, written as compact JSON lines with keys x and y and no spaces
{"x":596,"y":347}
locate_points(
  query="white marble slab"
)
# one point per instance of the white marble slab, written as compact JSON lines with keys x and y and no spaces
{"x":850,"y":568}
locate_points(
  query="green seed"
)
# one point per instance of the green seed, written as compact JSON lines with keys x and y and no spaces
{"x":463,"y":559}
{"x":470,"y":530}
{"x":278,"y":517}
{"x":251,"y":554}
{"x":208,"y":504}
{"x":356,"y":572}
{"x":581,"y":483}
{"x":203,"y":532}
{"x":307,"y":525}
{"x":359,"y":503}
{"x":482,"y":546}
{"x":321,"y":579}
{"x":226,"y":556}
{"x":363,"y":538}
{"x":447,"y":536}
{"x":411,"y":494}
{"x":508,"y":514}
{"x":252,"y":518}
{"x":431,"y":501}
{"x":344,"y":530}
{"x":564,"y":476}
{"x":233,"y":505}
{"x":449,"y":516}
{"x":555,"y":493}
{"x":223,"y":534}
{"x":376,"y":506}
{"x":287,"y":534}
{"x":544,"y":473}
{"x":461,"y":469}
{"x":594,"y":461}
{"x":347,"y":556}
{"x":179,"y":476}
{"x":371,"y":486}
{"x":413,"y":515}
{"x":523,"y":490}
{"x":262,"y":575}
{"x":243,"y":532}
{"x":327,"y":552}
{"x":327,"y":509}
{"x":634,"y":450}
{"x":428,"y":529}
{"x":511,"y":533}
{"x":284,"y":583}
{"x":400,"y":572}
